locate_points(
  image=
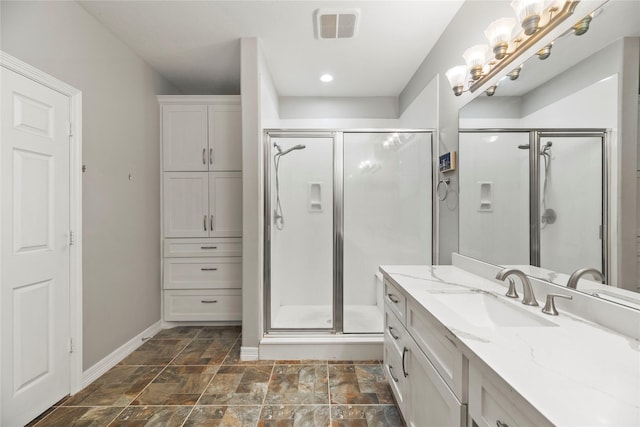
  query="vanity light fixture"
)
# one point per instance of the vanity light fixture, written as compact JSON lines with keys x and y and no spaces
{"x":545,"y":52}
{"x":326,"y":78}
{"x":537,"y":18}
{"x":582,"y":26}
{"x":515,"y":73}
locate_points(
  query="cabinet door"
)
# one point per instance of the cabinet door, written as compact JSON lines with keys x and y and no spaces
{"x":184,"y":138}
{"x":186,"y":204}
{"x":225,"y":204}
{"x":225,"y":138}
{"x":431,"y":402}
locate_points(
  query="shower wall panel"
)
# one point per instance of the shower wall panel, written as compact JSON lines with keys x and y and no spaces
{"x":494,"y":196}
{"x":387,"y":215}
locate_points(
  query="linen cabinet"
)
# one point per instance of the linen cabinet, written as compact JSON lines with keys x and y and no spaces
{"x":201,"y":156}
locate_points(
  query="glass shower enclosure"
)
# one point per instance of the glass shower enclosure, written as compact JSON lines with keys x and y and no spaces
{"x":338,"y":205}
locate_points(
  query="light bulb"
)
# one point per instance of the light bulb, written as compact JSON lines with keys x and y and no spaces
{"x":475,"y":57}
{"x":528,"y":13}
{"x":499,"y":34}
{"x":457,"y":76}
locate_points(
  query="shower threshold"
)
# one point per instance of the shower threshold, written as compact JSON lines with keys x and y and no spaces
{"x":362,"y":319}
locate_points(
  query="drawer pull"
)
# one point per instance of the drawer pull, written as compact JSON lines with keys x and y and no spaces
{"x":209,"y":301}
{"x":405,"y":350}
{"x":391,"y":373}
{"x":208,"y":247}
{"x":501,"y":424}
{"x":209,"y":269}
{"x":394,"y":336}
{"x":393,"y":298}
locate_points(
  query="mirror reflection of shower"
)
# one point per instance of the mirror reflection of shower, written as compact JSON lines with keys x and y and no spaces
{"x":548,"y":214}
{"x":278,"y":216}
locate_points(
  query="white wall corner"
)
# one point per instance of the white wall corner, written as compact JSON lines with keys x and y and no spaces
{"x":249,"y":353}
{"x":111,"y":360}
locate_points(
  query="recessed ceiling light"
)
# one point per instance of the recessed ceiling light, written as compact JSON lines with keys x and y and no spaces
{"x":326,"y":78}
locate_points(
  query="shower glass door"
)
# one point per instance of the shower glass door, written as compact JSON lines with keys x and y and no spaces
{"x":300,"y":216}
{"x":386,"y":217}
{"x":571,"y":202}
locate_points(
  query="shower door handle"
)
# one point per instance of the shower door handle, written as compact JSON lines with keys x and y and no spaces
{"x":405,"y":350}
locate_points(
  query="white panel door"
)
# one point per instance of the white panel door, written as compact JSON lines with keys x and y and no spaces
{"x":184,"y":138}
{"x":186,"y":204}
{"x":225,"y":138}
{"x":225,"y":204}
{"x":34,"y":248}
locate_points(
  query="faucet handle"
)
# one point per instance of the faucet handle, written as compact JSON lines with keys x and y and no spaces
{"x":550,"y":306}
{"x":511,"y":292}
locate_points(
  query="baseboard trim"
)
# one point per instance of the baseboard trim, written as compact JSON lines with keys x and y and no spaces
{"x":97,"y":370}
{"x":249,"y":353}
{"x":322,"y":348}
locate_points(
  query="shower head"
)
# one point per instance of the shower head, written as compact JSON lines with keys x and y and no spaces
{"x":287,"y":151}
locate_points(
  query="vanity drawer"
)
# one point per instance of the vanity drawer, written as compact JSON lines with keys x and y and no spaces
{"x":224,"y":247}
{"x":395,"y":334}
{"x":203,"y":305}
{"x":493,"y":403}
{"x":202,"y":273}
{"x":395,"y":300}
{"x":395,"y":377}
{"x":446,"y":358}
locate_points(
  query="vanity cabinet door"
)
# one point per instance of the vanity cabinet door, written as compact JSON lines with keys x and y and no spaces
{"x":493,"y":403}
{"x":431,"y":401}
{"x":184,"y":138}
{"x":186,"y":204}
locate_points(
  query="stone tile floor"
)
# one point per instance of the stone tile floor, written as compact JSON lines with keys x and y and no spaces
{"x":193,"y":376}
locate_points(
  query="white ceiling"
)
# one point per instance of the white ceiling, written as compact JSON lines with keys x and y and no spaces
{"x":196,"y":44}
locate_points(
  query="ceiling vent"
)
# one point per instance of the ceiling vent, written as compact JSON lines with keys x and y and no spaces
{"x":336,"y":23}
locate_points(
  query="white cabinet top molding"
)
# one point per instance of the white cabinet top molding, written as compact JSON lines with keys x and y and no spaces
{"x":199,"y":99}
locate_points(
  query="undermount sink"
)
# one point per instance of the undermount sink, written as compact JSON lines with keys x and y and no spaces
{"x":488,"y":311}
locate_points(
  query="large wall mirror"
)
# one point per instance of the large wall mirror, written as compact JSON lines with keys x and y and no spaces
{"x":540,"y":159}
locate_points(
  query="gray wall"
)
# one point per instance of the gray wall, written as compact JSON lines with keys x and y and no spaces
{"x":121,"y":218}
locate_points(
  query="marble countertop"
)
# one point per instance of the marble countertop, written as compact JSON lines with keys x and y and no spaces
{"x":575,"y":373}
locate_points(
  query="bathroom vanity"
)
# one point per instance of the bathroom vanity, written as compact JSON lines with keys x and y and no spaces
{"x":458,"y":352}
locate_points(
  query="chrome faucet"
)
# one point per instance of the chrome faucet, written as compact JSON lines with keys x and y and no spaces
{"x":528,"y":298}
{"x":573,"y":280}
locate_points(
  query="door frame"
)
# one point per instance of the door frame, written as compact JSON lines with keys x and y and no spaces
{"x":75,"y":209}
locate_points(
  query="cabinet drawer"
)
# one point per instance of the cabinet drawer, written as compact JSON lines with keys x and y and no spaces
{"x":492,"y":402}
{"x":395,"y":377}
{"x":395,"y":334}
{"x":202,"y":273}
{"x":176,"y":248}
{"x":395,"y":300}
{"x":200,"y":305}
{"x":447,"y":359}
